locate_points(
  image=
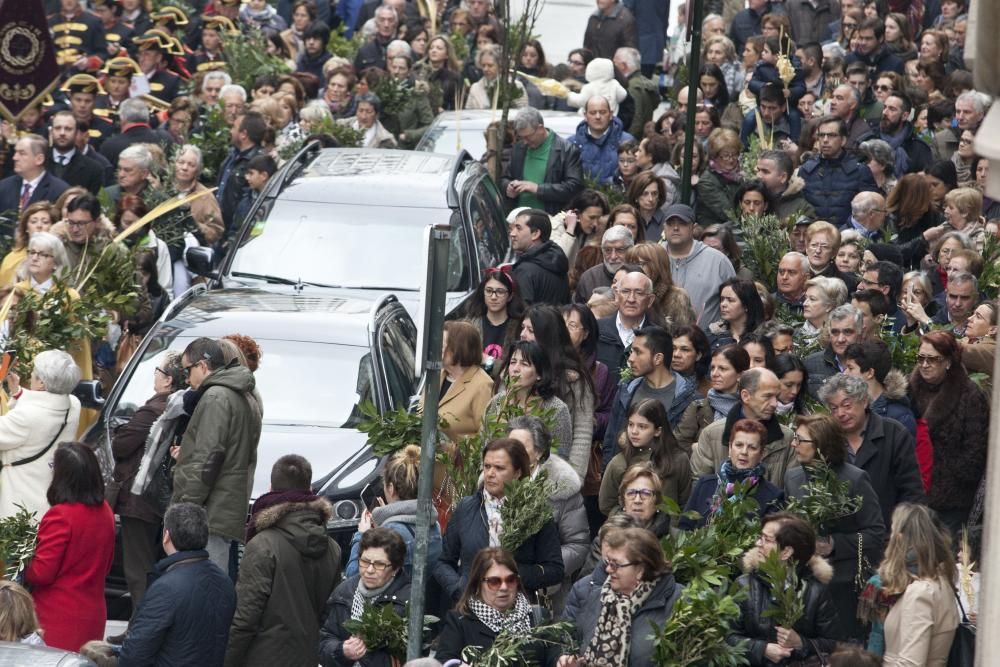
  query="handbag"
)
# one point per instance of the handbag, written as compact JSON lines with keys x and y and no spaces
{"x":817,"y":659}
{"x":161,"y":485}
{"x":112,"y":488}
{"x":963,"y":646}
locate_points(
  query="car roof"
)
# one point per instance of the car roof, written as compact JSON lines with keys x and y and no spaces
{"x":369,"y":176}
{"x":277,"y":313}
{"x":441,"y":137}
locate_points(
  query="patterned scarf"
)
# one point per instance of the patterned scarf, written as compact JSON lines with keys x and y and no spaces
{"x":517,"y":619}
{"x":730,"y":477}
{"x":364,"y":595}
{"x":722,"y":403}
{"x":612,"y":640}
{"x":494,"y":523}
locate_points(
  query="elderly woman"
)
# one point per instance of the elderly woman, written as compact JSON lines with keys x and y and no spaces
{"x":478,"y":523}
{"x":339,"y":93}
{"x":365,"y":120}
{"x":822,"y":244}
{"x":613,"y":620}
{"x":881,"y":161}
{"x":742,"y":474}
{"x":381,"y":581}
{"x":203,"y":222}
{"x":956,"y":413}
{"x":672,"y":302}
{"x":720,"y":51}
{"x":821,"y":438}
{"x":819,"y":629}
{"x":37,"y":217}
{"x":719,"y":182}
{"x":963,"y":209}
{"x":822,"y":296}
{"x":483,"y":93}
{"x":39,"y":417}
{"x":76,"y":544}
{"x":493,"y":601}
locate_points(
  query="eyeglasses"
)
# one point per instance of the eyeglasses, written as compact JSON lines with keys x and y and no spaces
{"x":614,"y":567}
{"x":728,"y":156}
{"x":493,"y":583}
{"x":612,"y":250}
{"x":645,"y":494}
{"x":929,"y":360}
{"x":377,"y":565}
{"x":39,"y":253}
{"x":629,"y":293}
{"x":157,"y":369}
{"x":827,"y":135}
{"x":819,"y":246}
{"x":498,"y":291}
{"x":883,"y":89}
{"x":77,"y":224}
{"x":797,"y":440}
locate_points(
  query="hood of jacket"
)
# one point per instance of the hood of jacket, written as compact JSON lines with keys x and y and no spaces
{"x":562,"y":479}
{"x":548,"y":256}
{"x":795,"y":186}
{"x":600,"y":70}
{"x":667,"y":171}
{"x":819,"y":567}
{"x":235,"y":377}
{"x":303,"y":524}
{"x":696,"y":249}
{"x":896,"y":386}
{"x":401,"y":511}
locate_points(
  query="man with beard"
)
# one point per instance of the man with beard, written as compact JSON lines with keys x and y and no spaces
{"x":776,"y":171}
{"x":65,"y":161}
{"x":911,"y":154}
{"x":614,"y":244}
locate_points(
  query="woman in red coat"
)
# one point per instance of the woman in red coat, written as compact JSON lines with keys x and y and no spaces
{"x":76,"y":543}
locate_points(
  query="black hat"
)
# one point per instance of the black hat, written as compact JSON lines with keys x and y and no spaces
{"x":159,"y":39}
{"x":169,"y":14}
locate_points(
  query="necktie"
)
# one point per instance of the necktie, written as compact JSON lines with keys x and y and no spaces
{"x":25,"y":196}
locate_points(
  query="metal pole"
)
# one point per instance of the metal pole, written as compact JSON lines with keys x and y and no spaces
{"x":434,"y":332}
{"x":694,"y":63}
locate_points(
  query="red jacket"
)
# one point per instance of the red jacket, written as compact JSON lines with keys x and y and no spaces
{"x":76,"y":544}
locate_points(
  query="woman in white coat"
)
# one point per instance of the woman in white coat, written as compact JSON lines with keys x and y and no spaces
{"x":38,"y":419}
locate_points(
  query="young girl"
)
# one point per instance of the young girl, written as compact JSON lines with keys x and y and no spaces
{"x":647,"y":437}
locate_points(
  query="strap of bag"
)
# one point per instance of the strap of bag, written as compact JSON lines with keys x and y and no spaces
{"x":965,"y":619}
{"x":35,"y":457}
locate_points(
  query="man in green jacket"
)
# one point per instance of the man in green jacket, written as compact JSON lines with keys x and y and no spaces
{"x":218,"y":454}
{"x":641,"y":89}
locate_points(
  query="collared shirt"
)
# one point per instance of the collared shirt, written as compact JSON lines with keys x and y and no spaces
{"x":590,"y":132}
{"x":41,"y":287}
{"x":864,"y":231}
{"x":627,"y":335}
{"x":32,"y":184}
{"x":63,"y":158}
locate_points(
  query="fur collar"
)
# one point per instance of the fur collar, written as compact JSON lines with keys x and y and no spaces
{"x":895,"y":385}
{"x":272,"y":515}
{"x":819,"y":567}
{"x":795,"y":185}
{"x":105,"y":230}
{"x":562,"y":478}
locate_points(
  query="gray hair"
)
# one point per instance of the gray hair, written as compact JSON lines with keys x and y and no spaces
{"x":423,"y":662}
{"x":961,"y":237}
{"x":865,"y":202}
{"x":386,"y":8}
{"x":881,"y":152}
{"x":963,"y":278}
{"x":133,"y":110}
{"x":832,"y":290}
{"x":399,"y":45}
{"x":52,"y":244}
{"x":491,"y":50}
{"x":541,"y":439}
{"x":803,"y":260}
{"x":233,"y":88}
{"x":981,"y":101}
{"x":528,"y":118}
{"x":216,"y":74}
{"x":138,"y":154}
{"x":921,"y":278}
{"x":315,"y":112}
{"x":852,"y":387}
{"x":194,"y":150}
{"x":57,"y":370}
{"x":847,"y":311}
{"x":187,"y":524}
{"x":36,"y":144}
{"x":773,"y":328}
{"x":618,"y":233}
{"x":630,"y":57}
{"x":854,"y":93}
{"x":751,"y":378}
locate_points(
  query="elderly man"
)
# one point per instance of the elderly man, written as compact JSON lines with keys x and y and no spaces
{"x":544,"y":170}
{"x":541,"y":266}
{"x":697,"y":268}
{"x":598,"y":136}
{"x":912,"y":154}
{"x":758,"y":390}
{"x":85,"y":236}
{"x":212,"y":85}
{"x":845,"y":323}
{"x":793,"y":272}
{"x":845,"y":104}
{"x":880,"y":446}
{"x":233,"y":98}
{"x":834,"y":177}
{"x":970,"y":109}
{"x":634,"y":296}
{"x":643,"y":90}
{"x":30,"y":182}
{"x":614,"y":244}
{"x":373,"y":53}
{"x":961,"y":298}
{"x":135,"y":164}
{"x":133,"y":114}
{"x":868,"y":215}
{"x":776,"y":171}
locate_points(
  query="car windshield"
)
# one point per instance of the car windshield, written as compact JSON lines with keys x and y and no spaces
{"x":342,"y":245}
{"x":334,"y":377}
{"x":444,"y":139}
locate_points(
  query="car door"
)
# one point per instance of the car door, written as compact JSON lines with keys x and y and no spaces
{"x":489,"y":227}
{"x":393,"y":343}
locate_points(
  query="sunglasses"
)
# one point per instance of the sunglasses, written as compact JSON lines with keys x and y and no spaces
{"x":494,"y":583}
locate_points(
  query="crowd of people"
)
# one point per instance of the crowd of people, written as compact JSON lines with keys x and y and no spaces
{"x":648,"y":351}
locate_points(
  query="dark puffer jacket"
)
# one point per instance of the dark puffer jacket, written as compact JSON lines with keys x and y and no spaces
{"x":128,"y":446}
{"x":333,"y":635}
{"x":185,"y":616}
{"x":831,"y":184}
{"x":819,"y":627}
{"x":542,"y":274}
{"x":600,"y":156}
{"x":286,"y":577}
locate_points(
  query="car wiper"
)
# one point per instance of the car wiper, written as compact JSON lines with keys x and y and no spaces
{"x":271,"y":279}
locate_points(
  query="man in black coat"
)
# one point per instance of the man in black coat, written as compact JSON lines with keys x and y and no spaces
{"x":541,"y":269}
{"x":545,"y":170}
{"x":184,"y":618}
{"x":234,"y":193}
{"x":66,"y":161}
{"x":133,"y":114}
{"x":912,"y":154}
{"x":30,"y":182}
{"x":634,"y":297}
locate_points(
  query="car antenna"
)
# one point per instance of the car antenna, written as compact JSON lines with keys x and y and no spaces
{"x":299,"y":285}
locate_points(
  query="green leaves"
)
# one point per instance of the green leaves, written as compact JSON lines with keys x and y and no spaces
{"x":695,"y":634}
{"x":825,"y":498}
{"x":766,"y":239}
{"x":989,"y":280}
{"x":339,"y":45}
{"x":18,"y":539}
{"x":510,"y":649}
{"x":524,"y":510}
{"x":787,"y":595}
{"x":382,"y":629}
{"x":247,"y":57}
{"x":390,"y":432}
{"x":214,"y":141}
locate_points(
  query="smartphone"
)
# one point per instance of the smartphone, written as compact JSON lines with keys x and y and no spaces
{"x":370,"y":495}
{"x":7,"y":362}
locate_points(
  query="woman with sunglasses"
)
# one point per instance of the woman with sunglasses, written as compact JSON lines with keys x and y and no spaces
{"x":380,"y":581}
{"x":496,"y":310}
{"x":613,"y":619}
{"x":492,"y":602}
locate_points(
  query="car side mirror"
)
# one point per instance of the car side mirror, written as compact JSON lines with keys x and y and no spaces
{"x":201,"y":261}
{"x":89,"y":394}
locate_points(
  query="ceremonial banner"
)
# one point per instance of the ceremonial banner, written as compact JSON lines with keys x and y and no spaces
{"x":28,"y":70}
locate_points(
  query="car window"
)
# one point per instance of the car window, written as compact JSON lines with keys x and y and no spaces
{"x":488,"y":225}
{"x":334,"y":378}
{"x":397,"y":340}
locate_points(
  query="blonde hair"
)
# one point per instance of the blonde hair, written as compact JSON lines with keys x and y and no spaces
{"x":824,"y":227}
{"x":721,"y":139}
{"x":636,"y":471}
{"x":918,"y":540}
{"x":17,"y":612}
{"x":833,"y":290}
{"x":968,"y":201}
{"x":403,"y":472}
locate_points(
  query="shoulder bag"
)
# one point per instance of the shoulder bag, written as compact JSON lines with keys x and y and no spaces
{"x":963,"y":646}
{"x":38,"y":455}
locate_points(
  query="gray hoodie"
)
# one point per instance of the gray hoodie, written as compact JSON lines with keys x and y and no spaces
{"x":701,"y":273}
